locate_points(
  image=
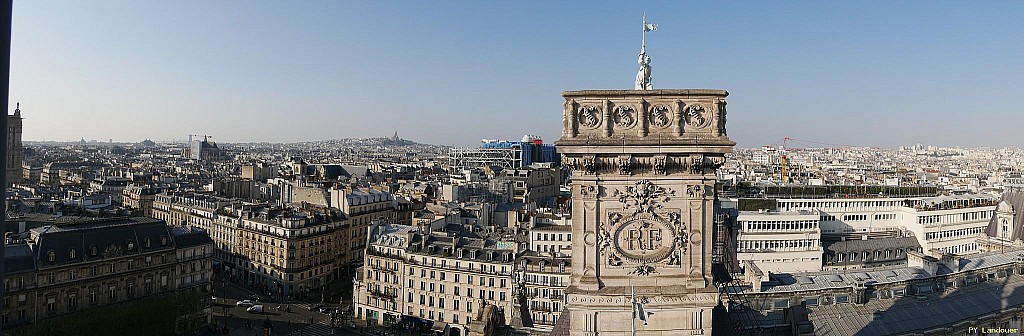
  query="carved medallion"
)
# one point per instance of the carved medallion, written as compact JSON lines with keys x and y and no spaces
{"x":625,"y":116}
{"x":698,"y":116}
{"x":644,"y":240}
{"x":589,"y":116}
{"x":660,"y":116}
{"x":589,"y":239}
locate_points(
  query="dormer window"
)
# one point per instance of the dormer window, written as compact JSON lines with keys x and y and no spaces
{"x":93,"y":251}
{"x":163,"y":240}
{"x":131,"y":245}
{"x":51,"y":256}
{"x":148,"y":243}
{"x":72,"y":253}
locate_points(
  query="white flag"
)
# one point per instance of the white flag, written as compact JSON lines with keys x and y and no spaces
{"x":650,"y":27}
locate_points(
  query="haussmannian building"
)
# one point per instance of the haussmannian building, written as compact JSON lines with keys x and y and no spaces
{"x":454,"y":281}
{"x":281,"y":250}
{"x":59,"y":269}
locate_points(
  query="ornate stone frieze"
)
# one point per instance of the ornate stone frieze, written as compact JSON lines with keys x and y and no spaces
{"x":696,"y":163}
{"x":698,"y":116}
{"x":643,"y":165}
{"x":658,"y":165}
{"x":589,"y":116}
{"x":625,"y":164}
{"x":625,"y":116}
{"x":660,"y":116}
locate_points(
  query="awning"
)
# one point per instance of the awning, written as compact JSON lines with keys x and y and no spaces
{"x":439,"y":326}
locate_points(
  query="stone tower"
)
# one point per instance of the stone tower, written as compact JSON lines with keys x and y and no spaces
{"x":15,"y":152}
{"x":643,"y":183}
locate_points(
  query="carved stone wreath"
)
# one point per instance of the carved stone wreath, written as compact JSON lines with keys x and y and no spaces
{"x":698,"y":116}
{"x":660,"y":116}
{"x":589,"y":116}
{"x":625,"y":116}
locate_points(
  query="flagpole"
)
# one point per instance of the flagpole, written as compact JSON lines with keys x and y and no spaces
{"x":632,"y":301}
{"x":643,"y":33}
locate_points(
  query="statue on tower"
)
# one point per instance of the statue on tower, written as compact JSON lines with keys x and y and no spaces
{"x":643,"y":76}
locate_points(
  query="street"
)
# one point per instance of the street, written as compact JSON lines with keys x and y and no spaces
{"x":299,"y":320}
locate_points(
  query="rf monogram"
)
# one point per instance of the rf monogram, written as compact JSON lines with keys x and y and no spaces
{"x":643,"y":239}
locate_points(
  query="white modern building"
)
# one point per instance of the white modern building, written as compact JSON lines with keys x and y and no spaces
{"x":780,"y":242}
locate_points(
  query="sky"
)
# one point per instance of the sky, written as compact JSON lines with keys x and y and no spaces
{"x":865,"y":73}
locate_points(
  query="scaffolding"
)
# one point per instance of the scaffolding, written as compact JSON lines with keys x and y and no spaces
{"x":727,"y":275}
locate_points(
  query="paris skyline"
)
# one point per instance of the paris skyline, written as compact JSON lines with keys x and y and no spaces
{"x":862,"y":74}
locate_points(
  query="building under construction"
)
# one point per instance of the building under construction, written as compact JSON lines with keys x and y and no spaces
{"x":505,"y":154}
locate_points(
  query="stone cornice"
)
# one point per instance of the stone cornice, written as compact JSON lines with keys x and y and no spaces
{"x":642,"y":93}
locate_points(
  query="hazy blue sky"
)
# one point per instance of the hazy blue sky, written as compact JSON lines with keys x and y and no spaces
{"x":879,"y":73}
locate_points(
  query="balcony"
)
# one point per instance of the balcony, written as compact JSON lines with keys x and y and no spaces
{"x":382,"y":295}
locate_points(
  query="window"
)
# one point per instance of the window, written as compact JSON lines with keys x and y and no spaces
{"x":92,"y":250}
{"x":842,"y":298}
{"x":51,"y":256}
{"x":131,"y":245}
{"x":148,"y":243}
{"x":71,"y":254}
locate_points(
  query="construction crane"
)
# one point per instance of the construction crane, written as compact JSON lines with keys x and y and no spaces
{"x":782,"y":159}
{"x":784,"y":151}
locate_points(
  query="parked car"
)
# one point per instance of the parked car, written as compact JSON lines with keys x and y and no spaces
{"x":257,"y":309}
{"x":244,"y":303}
